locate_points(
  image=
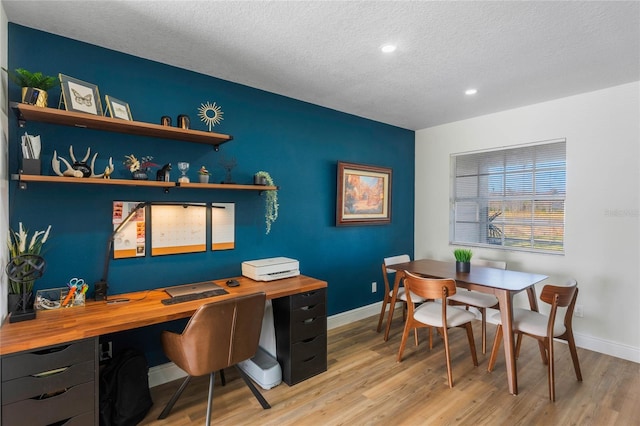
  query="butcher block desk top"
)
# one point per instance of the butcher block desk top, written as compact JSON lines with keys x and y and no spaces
{"x":143,"y":308}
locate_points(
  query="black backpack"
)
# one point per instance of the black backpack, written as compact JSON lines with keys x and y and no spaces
{"x":124,"y":390}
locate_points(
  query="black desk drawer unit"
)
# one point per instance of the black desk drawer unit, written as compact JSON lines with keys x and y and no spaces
{"x":57,"y":384}
{"x":301,"y":334}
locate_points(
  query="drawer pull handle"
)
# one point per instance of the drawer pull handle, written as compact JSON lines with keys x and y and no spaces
{"x":309,"y":320}
{"x":308,"y":307}
{"x":309,"y":359}
{"x":52,"y":394}
{"x":51,"y":350}
{"x":50,"y":372}
{"x":310,"y":339}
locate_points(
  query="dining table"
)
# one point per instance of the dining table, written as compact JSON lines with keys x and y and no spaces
{"x":503,"y":283}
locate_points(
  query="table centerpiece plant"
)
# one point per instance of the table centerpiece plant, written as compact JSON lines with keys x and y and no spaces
{"x":463,"y":259}
{"x":271,"y":200}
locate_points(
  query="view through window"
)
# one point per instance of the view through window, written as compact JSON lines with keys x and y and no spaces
{"x":510,"y":198}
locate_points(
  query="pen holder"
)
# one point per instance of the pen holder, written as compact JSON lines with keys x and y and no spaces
{"x":55,"y":298}
{"x":31,"y":166}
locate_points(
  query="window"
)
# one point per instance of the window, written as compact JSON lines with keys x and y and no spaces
{"x":510,"y":198}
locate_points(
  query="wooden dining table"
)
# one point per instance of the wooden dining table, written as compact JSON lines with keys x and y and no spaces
{"x":504,"y":284}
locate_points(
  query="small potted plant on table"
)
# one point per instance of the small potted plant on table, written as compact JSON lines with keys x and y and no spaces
{"x":463,"y":260}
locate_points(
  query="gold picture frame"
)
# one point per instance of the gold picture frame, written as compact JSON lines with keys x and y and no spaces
{"x":363,"y":194}
{"x":117,"y":108}
{"x":80,"y":96}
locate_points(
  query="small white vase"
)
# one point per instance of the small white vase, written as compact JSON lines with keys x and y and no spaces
{"x":204,"y":178}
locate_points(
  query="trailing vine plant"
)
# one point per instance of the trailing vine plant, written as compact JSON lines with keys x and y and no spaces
{"x":271,"y":201}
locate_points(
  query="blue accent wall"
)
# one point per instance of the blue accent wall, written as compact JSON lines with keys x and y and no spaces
{"x":298,"y":143}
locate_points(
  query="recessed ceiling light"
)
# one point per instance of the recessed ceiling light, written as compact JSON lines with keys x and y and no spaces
{"x":471,"y":91}
{"x":388,"y":48}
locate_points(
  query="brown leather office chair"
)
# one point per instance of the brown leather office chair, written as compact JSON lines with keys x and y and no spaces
{"x":545,"y":329}
{"x":219,"y":335}
{"x":439,"y":315}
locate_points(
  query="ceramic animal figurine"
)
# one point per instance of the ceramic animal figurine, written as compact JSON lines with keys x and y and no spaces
{"x":162,"y":175}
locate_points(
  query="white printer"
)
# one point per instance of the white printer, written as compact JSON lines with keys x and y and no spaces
{"x":270,"y":269}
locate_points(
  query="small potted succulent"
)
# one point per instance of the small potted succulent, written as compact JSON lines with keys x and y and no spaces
{"x":34,"y":85}
{"x":203,"y":175}
{"x":463,"y":259}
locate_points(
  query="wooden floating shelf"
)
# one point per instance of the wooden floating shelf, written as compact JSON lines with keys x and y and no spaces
{"x":89,"y":121}
{"x":23,"y":179}
{"x":226,"y":186}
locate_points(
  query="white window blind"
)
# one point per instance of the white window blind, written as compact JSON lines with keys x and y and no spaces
{"x":510,"y":198}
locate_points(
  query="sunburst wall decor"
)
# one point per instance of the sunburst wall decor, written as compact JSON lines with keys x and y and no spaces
{"x":210,"y":114}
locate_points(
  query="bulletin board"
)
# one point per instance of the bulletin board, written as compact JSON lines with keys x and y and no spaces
{"x":130,"y":240}
{"x":176,"y":229}
{"x":223,"y":226}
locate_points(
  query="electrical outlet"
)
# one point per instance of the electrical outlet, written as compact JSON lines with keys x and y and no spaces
{"x":578,"y":311}
{"x":106,"y":351}
{"x":374,"y":287}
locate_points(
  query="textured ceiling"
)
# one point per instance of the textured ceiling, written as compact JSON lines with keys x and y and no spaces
{"x":328,"y":52}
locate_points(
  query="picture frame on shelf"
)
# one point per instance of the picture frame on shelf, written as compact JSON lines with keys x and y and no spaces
{"x":363,"y":194}
{"x":80,"y":96}
{"x":117,"y":108}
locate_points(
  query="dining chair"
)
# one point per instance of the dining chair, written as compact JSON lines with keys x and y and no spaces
{"x":480,"y":301}
{"x":545,"y":328}
{"x":388,"y":290}
{"x":219,"y":335}
{"x":438,"y":315}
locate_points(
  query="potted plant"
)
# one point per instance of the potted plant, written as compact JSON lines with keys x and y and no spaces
{"x":271,"y":201}
{"x":34,"y":85}
{"x":203,"y":175}
{"x":19,"y":243}
{"x":463,"y":259}
{"x":139,"y":168}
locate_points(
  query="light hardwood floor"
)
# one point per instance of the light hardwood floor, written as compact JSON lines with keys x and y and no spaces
{"x":364,"y":385}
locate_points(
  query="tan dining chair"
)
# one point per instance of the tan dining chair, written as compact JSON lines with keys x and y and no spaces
{"x":438,"y":315}
{"x":388,"y":289}
{"x":545,"y":328}
{"x":219,"y":335}
{"x":480,"y":301}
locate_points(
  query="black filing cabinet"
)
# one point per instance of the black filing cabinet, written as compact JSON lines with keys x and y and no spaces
{"x":57,"y":384}
{"x":301,"y":334}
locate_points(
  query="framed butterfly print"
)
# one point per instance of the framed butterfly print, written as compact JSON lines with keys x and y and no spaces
{"x":80,"y":96}
{"x":117,"y":108}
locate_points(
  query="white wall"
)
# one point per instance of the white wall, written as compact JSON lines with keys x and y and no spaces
{"x":602,"y":216}
{"x":4,"y":160}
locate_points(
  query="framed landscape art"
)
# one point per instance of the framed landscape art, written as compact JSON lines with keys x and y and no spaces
{"x":364,"y":194}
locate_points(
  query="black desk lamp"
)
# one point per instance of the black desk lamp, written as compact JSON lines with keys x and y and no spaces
{"x":102,"y":286}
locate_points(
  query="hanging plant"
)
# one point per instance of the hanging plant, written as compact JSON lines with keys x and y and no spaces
{"x":271,"y":201}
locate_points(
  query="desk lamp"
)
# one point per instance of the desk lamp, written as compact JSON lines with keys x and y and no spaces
{"x":102,"y":286}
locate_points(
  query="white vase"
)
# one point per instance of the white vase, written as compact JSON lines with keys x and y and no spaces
{"x":204,"y":178}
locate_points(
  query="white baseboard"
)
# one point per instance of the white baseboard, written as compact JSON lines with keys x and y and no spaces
{"x":167,"y":372}
{"x":607,"y":347}
{"x":353,"y":315}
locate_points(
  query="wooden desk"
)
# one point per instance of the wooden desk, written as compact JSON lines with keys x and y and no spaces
{"x":61,"y":346}
{"x":144,"y":308}
{"x":499,"y":282}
